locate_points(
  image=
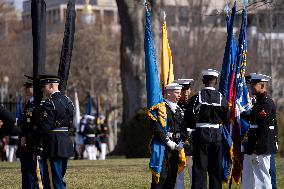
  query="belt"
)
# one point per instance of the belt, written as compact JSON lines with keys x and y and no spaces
{"x":172,"y":135}
{"x":60,"y":129}
{"x":91,"y":135}
{"x":189,"y":129}
{"x":256,"y":126}
{"x":207,"y":125}
{"x":14,"y":137}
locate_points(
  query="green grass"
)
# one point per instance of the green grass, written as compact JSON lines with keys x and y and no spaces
{"x":109,"y":174}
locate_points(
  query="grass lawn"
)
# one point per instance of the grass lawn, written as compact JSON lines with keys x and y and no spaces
{"x":112,"y":173}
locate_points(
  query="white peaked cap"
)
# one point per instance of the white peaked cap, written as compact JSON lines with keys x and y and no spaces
{"x":173,"y":86}
{"x":259,"y":77}
{"x":210,"y":72}
{"x":184,"y":81}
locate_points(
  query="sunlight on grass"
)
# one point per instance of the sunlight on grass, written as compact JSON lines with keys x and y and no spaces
{"x":112,"y":173}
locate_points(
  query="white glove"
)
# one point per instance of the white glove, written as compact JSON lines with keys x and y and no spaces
{"x":180,"y":146}
{"x":171,"y":144}
{"x":277,"y":147}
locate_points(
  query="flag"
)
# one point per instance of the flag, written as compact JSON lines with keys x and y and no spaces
{"x":241,"y":100}
{"x":89,"y":106}
{"x":77,"y":111}
{"x":155,"y":102}
{"x":167,"y":70}
{"x":224,"y":86}
{"x":98,"y":110}
{"x":67,"y":46}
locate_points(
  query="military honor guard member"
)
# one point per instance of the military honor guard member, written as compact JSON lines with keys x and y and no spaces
{"x":7,"y":122}
{"x":90,"y":130}
{"x":261,"y":136}
{"x":103,"y":135}
{"x":172,"y":138}
{"x":185,"y":94}
{"x":205,"y":112}
{"x":25,"y":150}
{"x":55,"y":120}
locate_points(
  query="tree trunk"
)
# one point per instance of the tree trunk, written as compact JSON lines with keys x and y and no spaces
{"x":132,"y":69}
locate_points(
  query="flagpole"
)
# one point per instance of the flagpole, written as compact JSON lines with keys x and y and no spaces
{"x":146,"y":5}
{"x":165,"y":15}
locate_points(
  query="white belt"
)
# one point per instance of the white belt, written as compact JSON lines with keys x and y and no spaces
{"x":60,"y":129}
{"x":14,"y":137}
{"x":207,"y":125}
{"x":91,"y":135}
{"x":256,"y":126}
{"x":190,"y":130}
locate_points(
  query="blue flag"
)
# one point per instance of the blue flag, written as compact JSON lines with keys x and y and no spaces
{"x":155,"y":102}
{"x":224,"y":87}
{"x":89,"y":106}
{"x":242,"y":100}
{"x":229,"y":55}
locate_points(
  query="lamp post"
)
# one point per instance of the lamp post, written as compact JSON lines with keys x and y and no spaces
{"x":88,"y":17}
{"x":4,"y":88}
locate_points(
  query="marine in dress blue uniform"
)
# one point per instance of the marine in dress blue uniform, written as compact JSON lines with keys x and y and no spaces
{"x":172,"y":138}
{"x":55,"y":118}
{"x":204,"y":113}
{"x":261,"y":136}
{"x":25,"y":150}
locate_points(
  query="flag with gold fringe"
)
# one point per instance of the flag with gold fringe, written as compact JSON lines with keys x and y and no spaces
{"x":224,"y":86}
{"x":155,"y":102}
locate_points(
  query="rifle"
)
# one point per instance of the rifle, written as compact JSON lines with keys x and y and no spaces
{"x":38,"y":13}
{"x":67,"y":46}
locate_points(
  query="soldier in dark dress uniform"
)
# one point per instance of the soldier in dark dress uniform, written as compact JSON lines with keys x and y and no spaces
{"x":55,"y":120}
{"x":103,"y":136}
{"x":185,"y":94}
{"x":205,"y":112}
{"x":90,"y":132}
{"x":172,"y":139}
{"x":25,"y":150}
{"x":7,"y":122}
{"x":261,"y":136}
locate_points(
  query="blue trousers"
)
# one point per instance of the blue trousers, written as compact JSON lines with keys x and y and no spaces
{"x":272,"y":171}
{"x":28,"y":169}
{"x":54,"y":170}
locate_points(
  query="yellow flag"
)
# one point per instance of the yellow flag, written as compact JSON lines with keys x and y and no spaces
{"x":167,"y":69}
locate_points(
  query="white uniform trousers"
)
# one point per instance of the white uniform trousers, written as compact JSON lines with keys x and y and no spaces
{"x":91,"y":152}
{"x":180,"y":177}
{"x":11,"y":152}
{"x":255,"y":173}
{"x":103,"y":152}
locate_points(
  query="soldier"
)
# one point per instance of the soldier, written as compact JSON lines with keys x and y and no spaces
{"x":104,"y":133}
{"x":261,"y":136}
{"x":7,"y":122}
{"x":55,"y":120}
{"x":185,"y":94}
{"x":25,"y":148}
{"x":89,"y":131}
{"x":171,"y":139}
{"x":205,"y":112}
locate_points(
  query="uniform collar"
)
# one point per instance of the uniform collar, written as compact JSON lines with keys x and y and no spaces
{"x":210,"y":88}
{"x":173,"y":106}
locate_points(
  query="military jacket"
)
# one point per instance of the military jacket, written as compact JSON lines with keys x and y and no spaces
{"x":175,"y":131}
{"x":55,"y":118}
{"x":262,"y":135}
{"x":208,"y":106}
{"x":27,"y":127}
{"x":104,"y":133}
{"x":90,"y":131}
